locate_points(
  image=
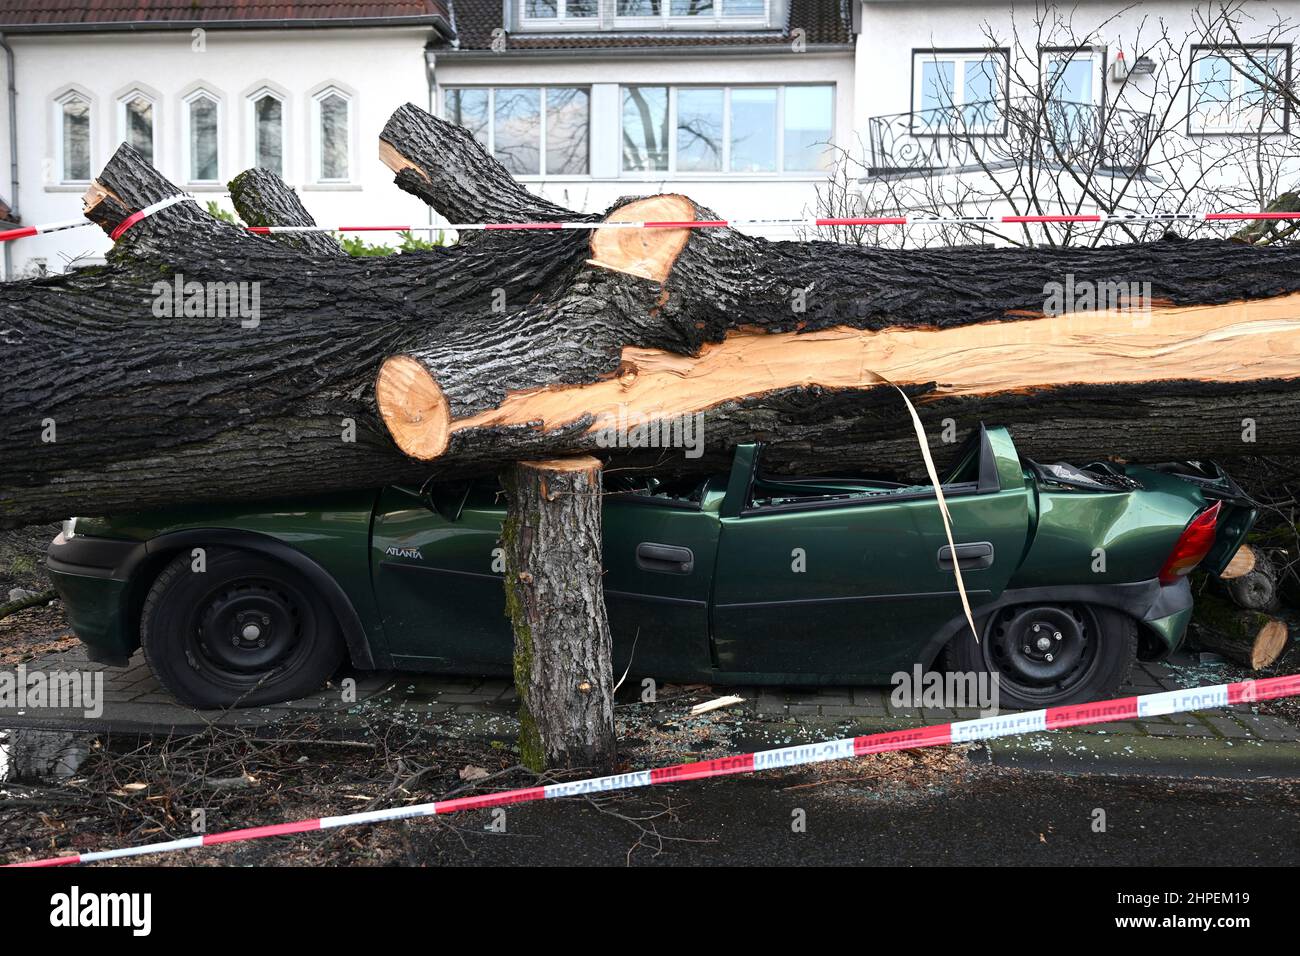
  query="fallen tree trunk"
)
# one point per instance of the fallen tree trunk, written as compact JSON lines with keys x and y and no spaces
{"x":521,"y":345}
{"x":1250,"y":638}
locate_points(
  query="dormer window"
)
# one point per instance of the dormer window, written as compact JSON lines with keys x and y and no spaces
{"x":560,"y":9}
{"x":647,"y":14}
{"x":693,"y":10}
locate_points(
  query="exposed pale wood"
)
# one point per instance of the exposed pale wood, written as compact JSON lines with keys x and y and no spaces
{"x":94,"y":195}
{"x":413,"y":407}
{"x":648,"y":253}
{"x":1242,"y":562}
{"x":576,"y":463}
{"x":390,"y":157}
{"x":1235,"y":342}
{"x":1268,"y":644}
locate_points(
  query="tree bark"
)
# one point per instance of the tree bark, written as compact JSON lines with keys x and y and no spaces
{"x":1250,"y":638}
{"x":515,"y":345}
{"x":554,"y":597}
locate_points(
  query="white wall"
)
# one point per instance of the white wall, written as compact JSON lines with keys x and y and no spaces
{"x":729,"y":195}
{"x":891,"y":29}
{"x":383,"y":67}
{"x":1165,"y":31}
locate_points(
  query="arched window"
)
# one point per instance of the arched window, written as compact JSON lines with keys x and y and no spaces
{"x":267,"y":134}
{"x":136,"y":116}
{"x":202,"y":111}
{"x":72,"y":112}
{"x":333,"y":136}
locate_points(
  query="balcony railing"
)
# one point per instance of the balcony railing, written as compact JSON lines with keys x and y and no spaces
{"x":997,"y":135}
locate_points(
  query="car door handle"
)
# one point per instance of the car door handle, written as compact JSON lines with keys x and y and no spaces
{"x":970,"y":557}
{"x":666,"y":558}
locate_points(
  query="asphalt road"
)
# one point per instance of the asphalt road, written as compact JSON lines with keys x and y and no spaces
{"x":990,"y":818}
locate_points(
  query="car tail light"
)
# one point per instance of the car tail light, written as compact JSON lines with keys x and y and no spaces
{"x":1193,"y":545}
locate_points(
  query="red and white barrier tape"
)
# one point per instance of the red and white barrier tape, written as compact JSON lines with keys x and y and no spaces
{"x":148,"y":211}
{"x":790,"y":223}
{"x":1098,"y":218}
{"x":985,"y":728}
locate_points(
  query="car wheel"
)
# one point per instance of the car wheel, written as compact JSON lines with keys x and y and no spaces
{"x":245,"y":631}
{"x":1046,"y":655}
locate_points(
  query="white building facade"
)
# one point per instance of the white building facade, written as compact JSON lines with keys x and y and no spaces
{"x":745,"y":105}
{"x":992,"y":107}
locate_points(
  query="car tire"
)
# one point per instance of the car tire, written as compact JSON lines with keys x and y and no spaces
{"x":246,"y":630}
{"x":1046,"y":655}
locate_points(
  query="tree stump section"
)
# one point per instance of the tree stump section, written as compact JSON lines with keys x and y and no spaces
{"x":563,"y":654}
{"x":1251,"y":580}
{"x":1250,"y":638}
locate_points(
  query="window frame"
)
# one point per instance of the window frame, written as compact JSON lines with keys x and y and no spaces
{"x":187,"y":158}
{"x":1209,"y":51}
{"x":607,"y":13}
{"x":123,"y":127}
{"x":57,"y":103}
{"x":666,"y":21}
{"x":1097,"y":55}
{"x":250,"y":100}
{"x":995,"y":131}
{"x":542,"y":89}
{"x":316,"y":170}
{"x":561,"y":16}
{"x":654,"y":175}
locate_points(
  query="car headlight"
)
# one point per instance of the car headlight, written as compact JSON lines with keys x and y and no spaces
{"x":69,"y":529}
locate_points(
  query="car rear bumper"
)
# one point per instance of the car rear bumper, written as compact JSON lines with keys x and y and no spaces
{"x":91,"y":576}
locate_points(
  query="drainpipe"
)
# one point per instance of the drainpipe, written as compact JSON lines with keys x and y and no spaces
{"x":430,"y":72}
{"x":13,"y":146}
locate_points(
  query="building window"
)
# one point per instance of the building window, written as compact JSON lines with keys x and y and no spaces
{"x":73,"y":117}
{"x":560,"y":9}
{"x":333,"y":136}
{"x":1239,"y":90}
{"x":136,"y":118}
{"x":1073,"y":76}
{"x":203,"y":137}
{"x":699,"y":129}
{"x":267,"y":109}
{"x":958,"y":89}
{"x":531,"y":130}
{"x":743,"y":129}
{"x":693,"y":11}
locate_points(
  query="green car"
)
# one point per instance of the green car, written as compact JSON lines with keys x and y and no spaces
{"x":739,"y":578}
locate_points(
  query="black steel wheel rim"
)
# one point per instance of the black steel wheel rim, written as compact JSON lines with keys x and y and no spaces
{"x":247,"y":628}
{"x":1042,"y":653}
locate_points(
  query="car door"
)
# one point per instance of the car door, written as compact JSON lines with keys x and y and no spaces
{"x":856,"y":585}
{"x":437,"y":576}
{"x":659,"y":558}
